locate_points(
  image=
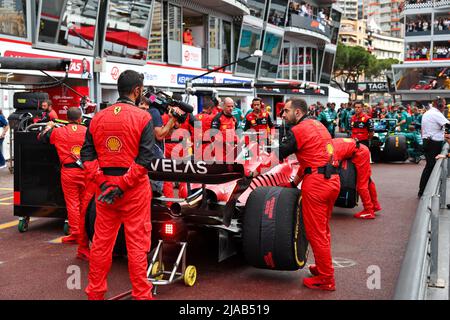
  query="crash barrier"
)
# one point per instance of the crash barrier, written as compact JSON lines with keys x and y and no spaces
{"x":419,"y":267}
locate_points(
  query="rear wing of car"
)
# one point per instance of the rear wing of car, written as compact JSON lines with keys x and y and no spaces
{"x":195,"y":171}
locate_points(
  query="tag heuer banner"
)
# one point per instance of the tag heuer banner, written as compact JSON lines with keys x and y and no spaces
{"x":368,"y":87}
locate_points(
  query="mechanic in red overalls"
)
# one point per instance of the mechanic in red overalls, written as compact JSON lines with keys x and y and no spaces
{"x":312,"y":144}
{"x":226,"y":124}
{"x":259,"y":121}
{"x":121,"y":138}
{"x":177,"y":146}
{"x":359,"y":154}
{"x":68,"y":141}
{"x":202,"y":126}
{"x":361,"y":125}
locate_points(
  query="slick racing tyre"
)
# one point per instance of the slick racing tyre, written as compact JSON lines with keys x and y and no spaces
{"x":273,"y":231}
{"x":120,"y":247}
{"x":395,"y":148}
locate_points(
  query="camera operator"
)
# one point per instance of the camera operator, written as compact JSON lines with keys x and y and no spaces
{"x":161,"y":131}
{"x":433,"y":127}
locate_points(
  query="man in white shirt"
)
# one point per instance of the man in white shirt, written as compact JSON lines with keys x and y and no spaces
{"x":433,"y":129}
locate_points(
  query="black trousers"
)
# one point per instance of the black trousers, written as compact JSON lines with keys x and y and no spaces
{"x":430,"y":149}
{"x":365,"y":142}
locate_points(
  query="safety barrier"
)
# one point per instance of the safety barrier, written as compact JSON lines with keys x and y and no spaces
{"x":420,"y":264}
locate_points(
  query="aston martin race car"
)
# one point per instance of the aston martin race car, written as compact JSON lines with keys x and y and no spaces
{"x":387,"y":144}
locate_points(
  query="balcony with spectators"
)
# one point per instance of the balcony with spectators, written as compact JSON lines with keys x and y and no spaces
{"x":310,"y":21}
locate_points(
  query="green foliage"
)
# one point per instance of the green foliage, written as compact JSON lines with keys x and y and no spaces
{"x":354,"y":61}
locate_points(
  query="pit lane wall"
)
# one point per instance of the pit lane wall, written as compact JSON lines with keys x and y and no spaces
{"x":419,"y":268}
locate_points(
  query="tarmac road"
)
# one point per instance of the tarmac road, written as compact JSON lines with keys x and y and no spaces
{"x":367,"y":255}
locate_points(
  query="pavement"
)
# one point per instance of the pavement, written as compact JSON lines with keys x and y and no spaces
{"x":367,"y":255}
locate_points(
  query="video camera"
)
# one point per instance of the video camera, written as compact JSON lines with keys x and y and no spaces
{"x":447,"y":128}
{"x":163,"y":101}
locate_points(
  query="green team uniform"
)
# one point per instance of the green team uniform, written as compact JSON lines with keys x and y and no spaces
{"x":237,"y":114}
{"x":344,"y":120}
{"x":328,"y":118}
{"x":415,"y":143}
{"x":417,"y":121}
{"x":407,"y":117}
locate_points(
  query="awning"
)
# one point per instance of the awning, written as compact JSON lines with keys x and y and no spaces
{"x":124,"y":38}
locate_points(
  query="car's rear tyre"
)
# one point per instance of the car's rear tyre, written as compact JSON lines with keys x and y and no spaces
{"x":120,"y":247}
{"x":273,"y":231}
{"x":395,"y":148}
{"x":348,"y":197}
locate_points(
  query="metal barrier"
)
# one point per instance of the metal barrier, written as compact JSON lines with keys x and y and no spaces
{"x":420,"y":264}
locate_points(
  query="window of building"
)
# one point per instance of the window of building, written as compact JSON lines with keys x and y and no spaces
{"x":175,"y":34}
{"x":277,"y":12}
{"x":257,"y":8}
{"x":13,"y":19}
{"x":417,"y":51}
{"x":68,"y":23}
{"x":271,"y":56}
{"x":128,"y":29}
{"x":283,"y":68}
{"x":327,"y":67}
{"x":156,"y":42}
{"x":214,"y":41}
{"x":441,"y":50}
{"x":227,"y":50}
{"x":249,"y":42}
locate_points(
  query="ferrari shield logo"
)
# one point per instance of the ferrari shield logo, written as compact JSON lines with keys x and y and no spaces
{"x":74,"y":128}
{"x":113,"y":144}
{"x":117,"y":110}
{"x":253,"y":121}
{"x":76,"y":150}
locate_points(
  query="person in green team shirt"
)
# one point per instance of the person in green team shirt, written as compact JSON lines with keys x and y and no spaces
{"x":345,"y":114}
{"x":415,"y":143}
{"x":237,"y":114}
{"x":392,"y":115}
{"x":328,"y":118}
{"x":405,"y":119}
{"x":417,"y":118}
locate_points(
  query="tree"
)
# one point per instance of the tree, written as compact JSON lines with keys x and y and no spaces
{"x":352,"y":62}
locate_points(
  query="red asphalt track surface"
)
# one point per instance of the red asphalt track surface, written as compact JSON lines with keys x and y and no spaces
{"x":31,"y":267}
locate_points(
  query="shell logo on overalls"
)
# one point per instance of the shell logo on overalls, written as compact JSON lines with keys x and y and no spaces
{"x":76,"y":150}
{"x":113,"y":144}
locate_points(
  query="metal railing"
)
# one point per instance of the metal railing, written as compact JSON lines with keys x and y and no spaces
{"x":420,"y":263}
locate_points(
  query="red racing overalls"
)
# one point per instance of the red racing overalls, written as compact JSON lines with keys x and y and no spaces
{"x":359,"y":154}
{"x":361,"y":126}
{"x":68,"y":141}
{"x":311,"y":143}
{"x":178,"y":147}
{"x":226,"y":125}
{"x":121,"y":138}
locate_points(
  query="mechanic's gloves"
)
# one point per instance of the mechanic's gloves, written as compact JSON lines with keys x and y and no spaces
{"x":110,"y":192}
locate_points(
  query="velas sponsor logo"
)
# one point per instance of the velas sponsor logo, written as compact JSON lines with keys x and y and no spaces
{"x":75,"y":67}
{"x":172,"y":166}
{"x":113,"y":144}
